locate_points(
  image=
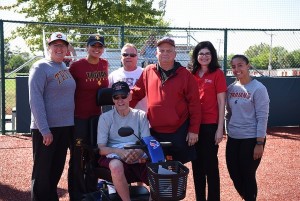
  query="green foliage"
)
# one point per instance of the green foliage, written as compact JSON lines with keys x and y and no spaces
{"x":102,"y":12}
{"x":16,"y":61}
{"x":259,"y":56}
{"x":293,"y":59}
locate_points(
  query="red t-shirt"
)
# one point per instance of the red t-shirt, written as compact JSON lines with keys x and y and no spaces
{"x":89,"y":78}
{"x":209,"y":86}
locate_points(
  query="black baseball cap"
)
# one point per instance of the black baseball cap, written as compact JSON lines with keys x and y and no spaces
{"x":93,"y":39}
{"x":120,"y":88}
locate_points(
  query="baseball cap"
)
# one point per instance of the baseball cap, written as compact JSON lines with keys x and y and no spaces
{"x":165,"y":40}
{"x":120,"y":88}
{"x":93,"y":39}
{"x":57,"y":36}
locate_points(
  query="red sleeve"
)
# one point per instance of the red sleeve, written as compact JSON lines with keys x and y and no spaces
{"x":138,"y":91}
{"x":220,"y":82}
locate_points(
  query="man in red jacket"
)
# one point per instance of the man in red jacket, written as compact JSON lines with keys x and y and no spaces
{"x":174,"y":109}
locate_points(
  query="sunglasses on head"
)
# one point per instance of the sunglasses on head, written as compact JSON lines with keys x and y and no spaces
{"x":118,"y":97}
{"x":128,"y":54}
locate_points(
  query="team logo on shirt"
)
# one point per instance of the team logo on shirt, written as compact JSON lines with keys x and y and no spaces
{"x":62,"y":75}
{"x":207,"y":81}
{"x":96,"y":76}
{"x":245,"y":95}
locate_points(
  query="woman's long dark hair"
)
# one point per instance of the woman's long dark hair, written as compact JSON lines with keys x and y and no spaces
{"x":213,"y":65}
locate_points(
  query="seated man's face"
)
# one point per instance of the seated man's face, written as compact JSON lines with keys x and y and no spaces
{"x":122,"y":102}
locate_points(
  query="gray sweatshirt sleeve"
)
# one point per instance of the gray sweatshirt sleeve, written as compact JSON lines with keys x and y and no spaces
{"x":261,"y":102}
{"x":227,"y":115}
{"x":37,"y":82}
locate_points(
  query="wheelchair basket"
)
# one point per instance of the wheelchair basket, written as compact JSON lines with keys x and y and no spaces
{"x":167,"y":180}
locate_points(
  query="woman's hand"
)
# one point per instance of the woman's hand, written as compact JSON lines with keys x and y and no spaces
{"x":258,"y":151}
{"x":47,"y":139}
{"x":218,"y":136}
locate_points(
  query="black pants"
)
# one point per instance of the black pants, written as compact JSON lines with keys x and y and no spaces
{"x":206,"y":166}
{"x":242,"y":167}
{"x":48,"y":163}
{"x":79,"y":181}
{"x":180,"y":150}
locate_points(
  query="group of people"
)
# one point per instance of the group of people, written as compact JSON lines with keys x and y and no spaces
{"x":164,"y":100}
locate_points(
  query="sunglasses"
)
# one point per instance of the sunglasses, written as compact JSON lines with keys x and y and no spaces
{"x":118,"y":97}
{"x":128,"y":54}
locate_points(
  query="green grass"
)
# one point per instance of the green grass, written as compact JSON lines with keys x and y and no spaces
{"x":10,"y":94}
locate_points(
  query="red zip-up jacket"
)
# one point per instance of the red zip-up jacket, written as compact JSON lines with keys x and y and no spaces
{"x":171,"y":102}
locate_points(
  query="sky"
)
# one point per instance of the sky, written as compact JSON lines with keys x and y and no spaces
{"x":243,"y":14}
{"x":277,"y":14}
{"x":272,"y":14}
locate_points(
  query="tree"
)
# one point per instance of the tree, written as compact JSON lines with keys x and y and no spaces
{"x":293,"y":59}
{"x":102,"y":12}
{"x":17,"y":59}
{"x":259,"y":56}
{"x":7,"y":52}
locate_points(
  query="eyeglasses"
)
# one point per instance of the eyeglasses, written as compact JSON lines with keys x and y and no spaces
{"x":59,"y":45}
{"x":128,"y":54}
{"x":118,"y":97}
{"x":204,"y":54}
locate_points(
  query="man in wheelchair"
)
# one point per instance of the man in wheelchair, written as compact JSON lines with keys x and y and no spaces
{"x":123,"y":163}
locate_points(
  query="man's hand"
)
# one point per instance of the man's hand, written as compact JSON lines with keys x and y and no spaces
{"x":132,"y":155}
{"x":47,"y":139}
{"x":191,"y":138}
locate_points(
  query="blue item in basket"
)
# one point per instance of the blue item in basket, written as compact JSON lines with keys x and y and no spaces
{"x":156,"y":153}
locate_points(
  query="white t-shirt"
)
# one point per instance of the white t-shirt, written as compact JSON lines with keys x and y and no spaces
{"x":130,"y":77}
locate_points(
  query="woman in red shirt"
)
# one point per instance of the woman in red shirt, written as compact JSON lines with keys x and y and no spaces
{"x":212,"y":88}
{"x":90,"y":74}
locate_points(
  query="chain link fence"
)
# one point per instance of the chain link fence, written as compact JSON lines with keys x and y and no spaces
{"x":271,"y":52}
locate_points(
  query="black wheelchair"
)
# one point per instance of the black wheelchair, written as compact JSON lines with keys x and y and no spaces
{"x":90,"y":163}
{"x":162,"y":186}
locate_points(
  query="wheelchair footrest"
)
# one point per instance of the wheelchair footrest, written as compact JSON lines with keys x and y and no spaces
{"x":138,"y":191}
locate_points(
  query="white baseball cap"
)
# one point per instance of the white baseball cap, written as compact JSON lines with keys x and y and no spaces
{"x":57,"y":36}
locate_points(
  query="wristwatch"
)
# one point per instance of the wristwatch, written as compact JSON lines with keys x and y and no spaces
{"x":259,"y":143}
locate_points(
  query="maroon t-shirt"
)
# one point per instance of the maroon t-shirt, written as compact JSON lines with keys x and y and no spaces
{"x":89,"y":78}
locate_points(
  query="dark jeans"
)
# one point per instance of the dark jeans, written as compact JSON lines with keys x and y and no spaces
{"x":80,"y":182}
{"x":180,"y":150}
{"x":242,"y":167}
{"x":206,"y":166}
{"x":48,"y":163}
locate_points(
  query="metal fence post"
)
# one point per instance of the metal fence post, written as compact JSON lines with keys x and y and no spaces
{"x":122,"y":36}
{"x":2,"y":79}
{"x":225,"y":51}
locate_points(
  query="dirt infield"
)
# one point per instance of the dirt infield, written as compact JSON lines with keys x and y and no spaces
{"x":278,"y":175}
